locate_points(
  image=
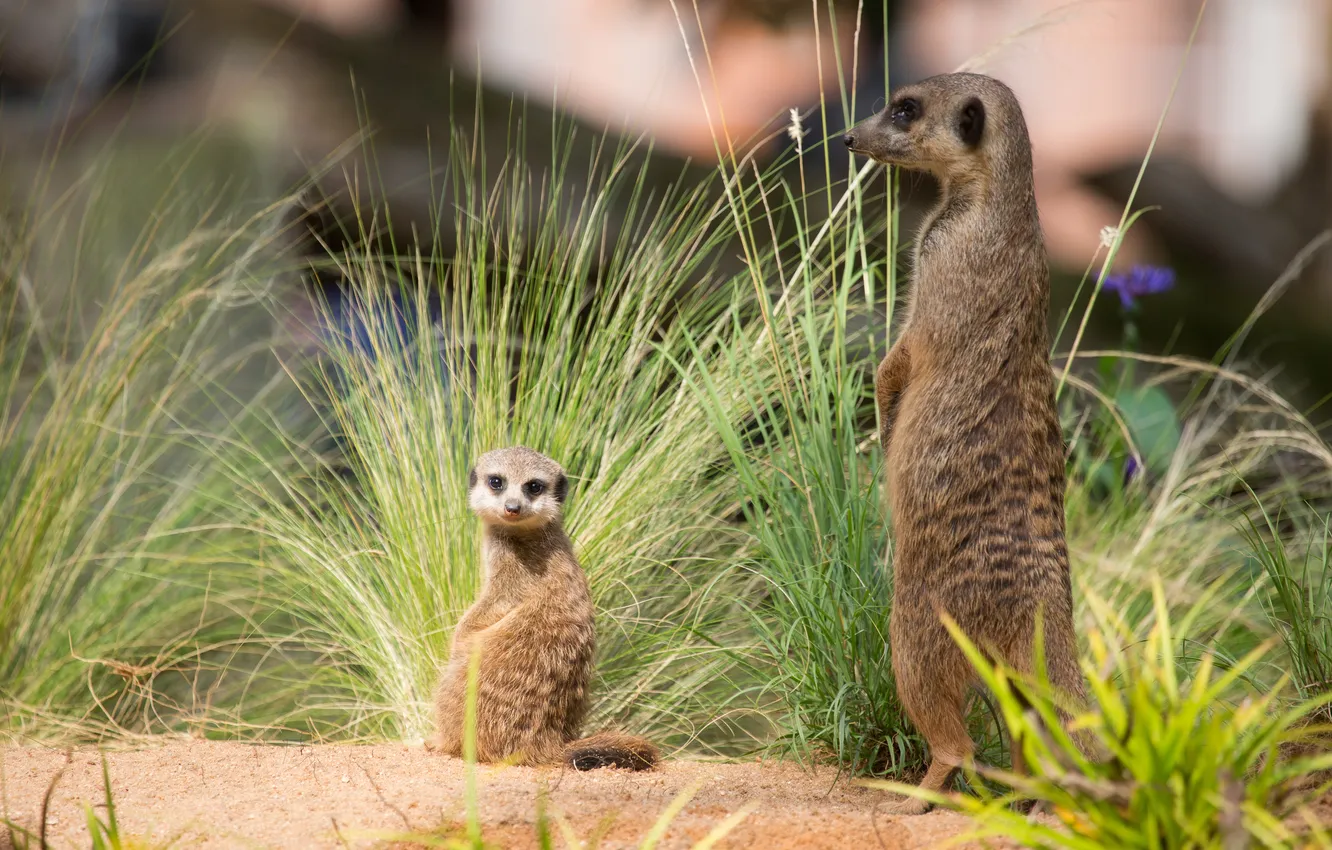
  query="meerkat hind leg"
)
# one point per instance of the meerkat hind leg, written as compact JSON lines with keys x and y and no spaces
{"x":1019,"y":761}
{"x":940,"y":720}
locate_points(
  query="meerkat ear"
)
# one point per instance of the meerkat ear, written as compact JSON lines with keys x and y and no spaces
{"x":471,"y":478}
{"x":971,"y":122}
{"x":561,"y":487}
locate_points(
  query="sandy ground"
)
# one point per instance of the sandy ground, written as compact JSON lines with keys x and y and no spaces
{"x":236,"y":795}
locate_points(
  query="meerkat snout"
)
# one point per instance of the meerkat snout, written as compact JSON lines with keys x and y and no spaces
{"x":517,"y":489}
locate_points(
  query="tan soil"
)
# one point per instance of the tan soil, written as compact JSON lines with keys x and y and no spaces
{"x":236,"y":795}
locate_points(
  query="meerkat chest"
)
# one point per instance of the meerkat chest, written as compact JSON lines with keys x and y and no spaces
{"x":946,"y":415}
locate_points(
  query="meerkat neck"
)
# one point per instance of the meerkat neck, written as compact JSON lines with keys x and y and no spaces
{"x":525,"y":550}
{"x":982,"y":202}
{"x":980,"y":250}
{"x":956,"y":200}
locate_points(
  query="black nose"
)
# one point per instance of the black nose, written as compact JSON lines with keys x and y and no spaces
{"x":849,"y":139}
{"x":512,"y":508}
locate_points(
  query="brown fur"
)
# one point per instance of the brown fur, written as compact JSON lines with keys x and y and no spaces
{"x":974,"y":450}
{"x":533,"y":625}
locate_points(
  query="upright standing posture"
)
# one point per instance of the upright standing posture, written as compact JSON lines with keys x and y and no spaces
{"x":533,"y":626}
{"x":966,"y":402}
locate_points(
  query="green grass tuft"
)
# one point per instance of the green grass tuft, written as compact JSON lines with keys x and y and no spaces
{"x":1175,"y":762}
{"x":545,"y":337}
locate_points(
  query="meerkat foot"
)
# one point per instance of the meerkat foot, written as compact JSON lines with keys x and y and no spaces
{"x":936,"y":779}
{"x":909,"y":806}
{"x":1032,"y":808}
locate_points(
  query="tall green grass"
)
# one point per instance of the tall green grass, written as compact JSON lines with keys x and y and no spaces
{"x":1295,"y":562}
{"x":810,"y":501}
{"x":119,"y":358}
{"x":548,"y":337}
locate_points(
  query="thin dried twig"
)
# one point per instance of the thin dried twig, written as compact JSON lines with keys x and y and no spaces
{"x":46,"y":800}
{"x":385,"y":800}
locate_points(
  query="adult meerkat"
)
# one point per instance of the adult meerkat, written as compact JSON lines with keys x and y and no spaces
{"x":533,"y":624}
{"x":975,"y":454}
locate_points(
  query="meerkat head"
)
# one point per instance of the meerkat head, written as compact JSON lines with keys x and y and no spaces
{"x":517,"y":488}
{"x":953,"y":125}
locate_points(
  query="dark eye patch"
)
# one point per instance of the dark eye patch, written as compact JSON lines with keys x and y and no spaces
{"x":495,"y":483}
{"x":534,"y":488}
{"x":905,"y":112}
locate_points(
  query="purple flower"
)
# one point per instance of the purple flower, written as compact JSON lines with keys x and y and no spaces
{"x":1132,"y":467}
{"x":1140,"y":281}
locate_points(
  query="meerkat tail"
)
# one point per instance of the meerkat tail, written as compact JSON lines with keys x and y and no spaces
{"x":611,"y":749}
{"x":1065,"y":675}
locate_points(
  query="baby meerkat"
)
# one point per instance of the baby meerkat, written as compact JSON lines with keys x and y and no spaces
{"x":533,"y":625}
{"x":969,"y":428}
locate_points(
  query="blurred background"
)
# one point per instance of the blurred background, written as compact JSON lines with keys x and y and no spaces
{"x":269,"y":93}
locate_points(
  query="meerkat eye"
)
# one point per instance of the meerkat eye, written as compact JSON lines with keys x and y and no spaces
{"x":534,"y":488}
{"x":905,"y":113}
{"x":495,"y":483}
